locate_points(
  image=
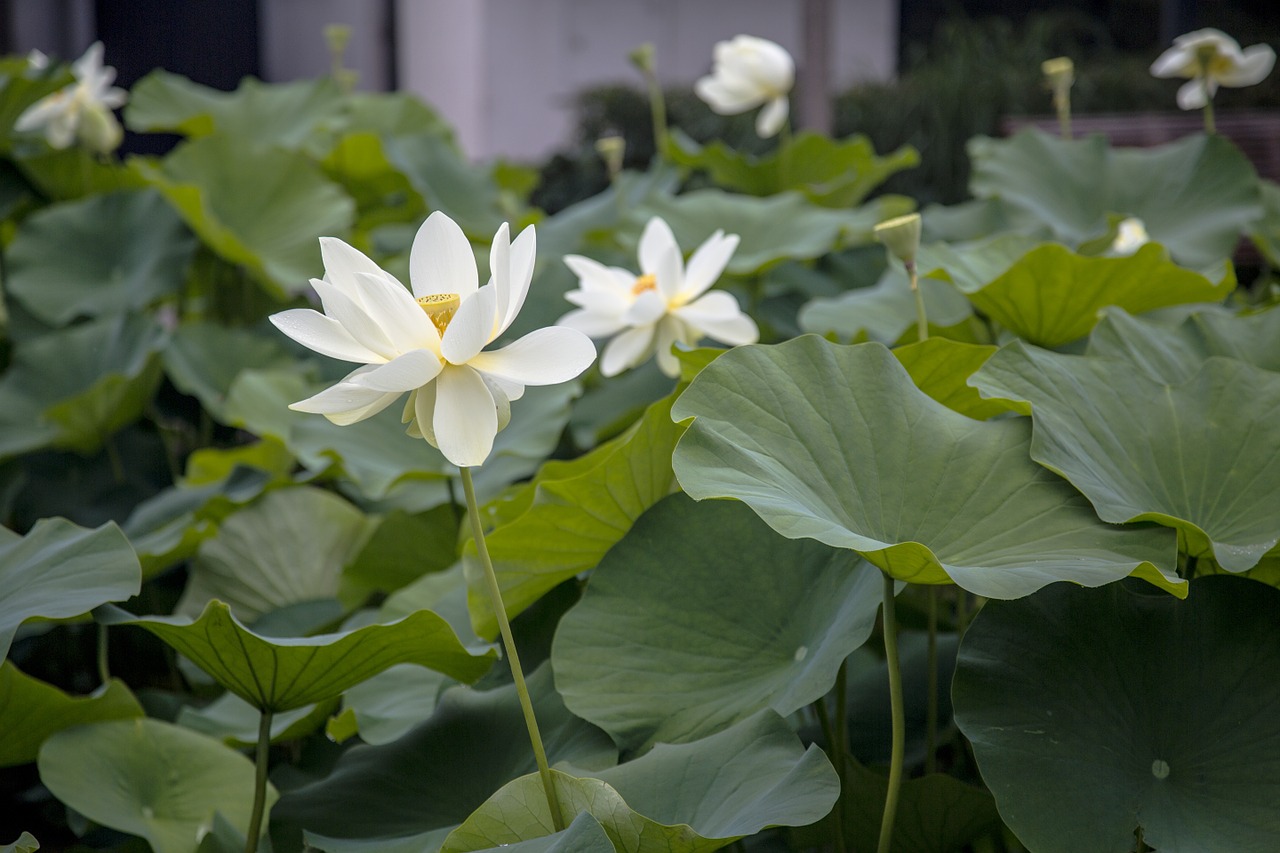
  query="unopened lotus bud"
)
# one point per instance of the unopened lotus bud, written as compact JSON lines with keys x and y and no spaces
{"x":612,"y":149}
{"x":901,"y":236}
{"x":1060,"y":72}
{"x":642,"y":58}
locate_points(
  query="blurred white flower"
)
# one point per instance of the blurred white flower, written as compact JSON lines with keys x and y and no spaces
{"x":1211,"y":58}
{"x":1131,"y":235}
{"x":37,"y":59}
{"x":431,"y":343}
{"x":666,"y":303}
{"x":748,"y":72}
{"x":81,"y":109}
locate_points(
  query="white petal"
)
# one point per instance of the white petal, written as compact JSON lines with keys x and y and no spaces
{"x":1255,"y":64}
{"x":346,"y":403}
{"x":628,"y":349}
{"x":500,"y":269}
{"x":323,"y":334}
{"x":602,"y":301}
{"x":670,"y":330}
{"x":772,"y":117}
{"x":649,"y":307}
{"x":725,"y":99}
{"x":718,"y":316}
{"x":595,"y":276}
{"x":655,"y":242}
{"x":595,"y":324}
{"x":424,"y":412}
{"x":89,"y":65}
{"x":466,"y":417}
{"x":342,"y":262}
{"x":765,"y":63}
{"x":1191,"y":94}
{"x":543,"y":357}
{"x":441,"y":260}
{"x":355,"y":320}
{"x":670,"y":274}
{"x":471,"y":327}
{"x":1175,"y":62}
{"x":501,"y":402}
{"x":523,"y":251}
{"x":41,"y":112}
{"x":399,"y":316}
{"x":404,"y":373}
{"x":707,"y":263}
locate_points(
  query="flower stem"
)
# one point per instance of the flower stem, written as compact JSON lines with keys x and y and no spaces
{"x":922,"y":319}
{"x":931,"y":712}
{"x":1208,"y":111}
{"x":104,"y":670}
{"x":658,"y":110}
{"x":509,"y":643}
{"x":259,"y":783}
{"x":899,"y":717}
{"x":1062,"y":103}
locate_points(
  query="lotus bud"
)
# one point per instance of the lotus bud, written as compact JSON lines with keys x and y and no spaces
{"x":901,"y":236}
{"x":612,"y":149}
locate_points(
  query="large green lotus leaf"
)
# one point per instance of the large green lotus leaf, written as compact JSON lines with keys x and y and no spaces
{"x":73,"y":173}
{"x":1174,"y":354}
{"x":835,"y":443}
{"x":288,"y":547}
{"x":150,"y":778}
{"x":973,"y":265}
{"x":382,"y":792}
{"x":72,"y":388}
{"x":102,"y":255}
{"x":26,"y":843}
{"x":760,"y":622}
{"x":267,"y":114}
{"x":941,"y":368}
{"x":441,"y":174}
{"x":31,"y":711}
{"x":1160,"y":715}
{"x":388,"y":705}
{"x":235,"y":722}
{"x":685,"y":798}
{"x":402,"y":548}
{"x":204,"y":359}
{"x":832,"y":173}
{"x":783,"y":226}
{"x":280,"y":674}
{"x":264,"y":209}
{"x":1201,"y":456}
{"x":59,"y":570}
{"x":1195,"y":195}
{"x":382,"y":193}
{"x":1052,"y":296}
{"x":563,"y":522}
{"x":886,"y":311}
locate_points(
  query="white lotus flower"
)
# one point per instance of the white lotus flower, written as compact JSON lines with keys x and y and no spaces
{"x":748,"y":72}
{"x":431,"y":343}
{"x":81,"y":109}
{"x":666,"y":303}
{"x":1131,"y":235}
{"x":1211,"y":58}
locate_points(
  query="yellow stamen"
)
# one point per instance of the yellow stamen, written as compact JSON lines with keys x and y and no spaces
{"x":645,"y":282}
{"x":440,"y":307}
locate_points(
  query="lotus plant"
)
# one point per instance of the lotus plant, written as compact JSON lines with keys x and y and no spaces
{"x":1210,"y":58}
{"x":749,"y":72}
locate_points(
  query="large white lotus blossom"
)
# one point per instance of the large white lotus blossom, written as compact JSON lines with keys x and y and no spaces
{"x":431,"y":343}
{"x":666,"y":303}
{"x":81,"y":109}
{"x":1211,"y":58}
{"x":748,"y":72}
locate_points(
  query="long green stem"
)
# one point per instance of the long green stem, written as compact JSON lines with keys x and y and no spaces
{"x":509,"y":643}
{"x":658,"y":110}
{"x":899,"y":717}
{"x":922,"y":319}
{"x":259,"y":783}
{"x":1209,"y":126}
{"x":104,"y":670}
{"x":1062,"y":103}
{"x":931,"y":708}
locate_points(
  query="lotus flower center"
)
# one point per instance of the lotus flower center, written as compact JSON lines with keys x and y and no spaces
{"x":649,"y":281}
{"x":440,"y":307}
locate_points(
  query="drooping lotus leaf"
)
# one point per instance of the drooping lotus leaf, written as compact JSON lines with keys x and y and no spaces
{"x":283,"y":673}
{"x":72,"y":388}
{"x":204,"y":359}
{"x":783,"y":226}
{"x":235,"y":722}
{"x":835,"y":443}
{"x":830,"y":172}
{"x":285,"y":115}
{"x":760,"y":622}
{"x":685,"y":798}
{"x":59,"y":570}
{"x":288,"y":547}
{"x":105,"y":254}
{"x":166,"y":782}
{"x":941,"y":367}
{"x":1174,"y":354}
{"x":1195,"y":196}
{"x":1051,"y":296}
{"x":263,"y":209}
{"x":381,"y":792}
{"x":564,"y":521}
{"x":31,"y":711}
{"x":886,"y":311}
{"x":1201,"y":456}
{"x":1161,"y":716}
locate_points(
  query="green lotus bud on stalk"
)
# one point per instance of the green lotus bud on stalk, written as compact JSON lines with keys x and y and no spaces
{"x":642,"y":58}
{"x":901,"y":236}
{"x":338,"y":37}
{"x":612,"y":149}
{"x":1061,"y":74}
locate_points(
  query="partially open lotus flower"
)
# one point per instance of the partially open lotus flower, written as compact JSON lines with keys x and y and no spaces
{"x":79,"y":110}
{"x":430,"y":343}
{"x":1211,"y":58}
{"x":747,"y":73}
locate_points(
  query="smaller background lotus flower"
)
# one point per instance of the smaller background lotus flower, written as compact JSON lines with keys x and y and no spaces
{"x":80,"y":110}
{"x":748,"y":72}
{"x":1131,"y":235}
{"x":431,"y":343}
{"x":1211,"y":58}
{"x":666,"y":303}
